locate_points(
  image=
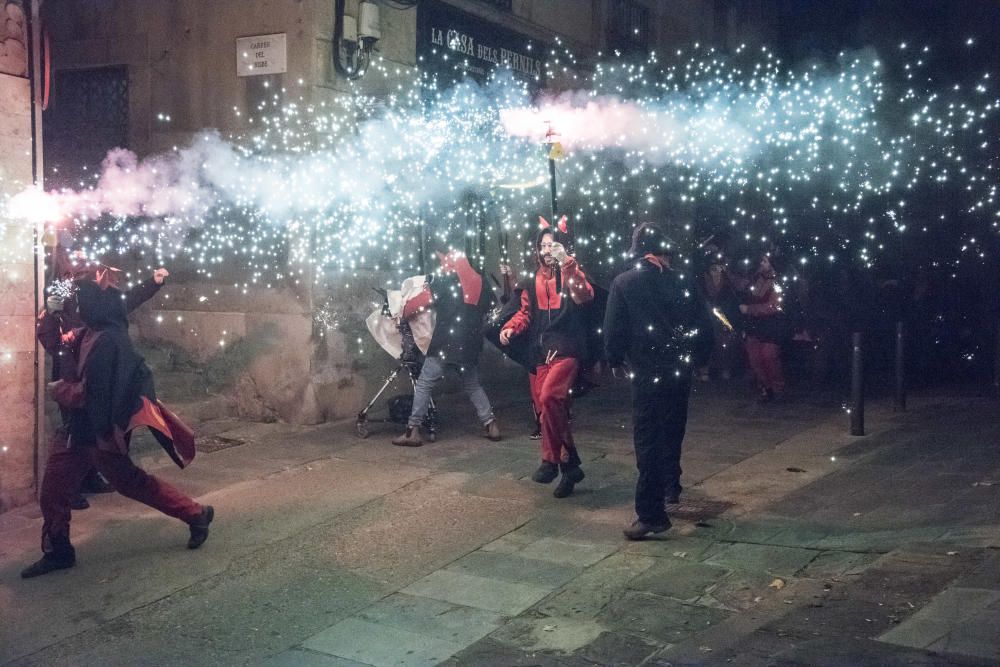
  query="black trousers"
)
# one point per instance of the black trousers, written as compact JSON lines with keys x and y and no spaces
{"x":659,"y":414}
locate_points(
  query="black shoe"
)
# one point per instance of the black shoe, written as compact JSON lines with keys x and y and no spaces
{"x":536,"y":434}
{"x":571,"y":476}
{"x":199,"y":527}
{"x":78,"y":502}
{"x":545,"y":473}
{"x":48,"y":563}
{"x":95,"y":483}
{"x":673,"y":497}
{"x":639,"y":530}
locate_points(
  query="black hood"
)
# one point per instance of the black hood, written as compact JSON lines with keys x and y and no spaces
{"x":101,"y":308}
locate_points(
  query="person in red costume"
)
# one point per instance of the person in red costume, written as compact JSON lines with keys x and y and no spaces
{"x":551,"y":317}
{"x":110,"y":395}
{"x":766,"y":329}
{"x":457,"y":295}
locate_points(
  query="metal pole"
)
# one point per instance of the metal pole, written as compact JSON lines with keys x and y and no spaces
{"x":552,"y":186}
{"x":900,"y":367}
{"x":857,"y":385}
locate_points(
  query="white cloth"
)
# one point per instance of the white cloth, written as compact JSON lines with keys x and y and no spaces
{"x":383,"y":329}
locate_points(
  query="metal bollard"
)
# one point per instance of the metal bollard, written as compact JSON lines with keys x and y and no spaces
{"x":857,"y":385}
{"x":900,"y":404}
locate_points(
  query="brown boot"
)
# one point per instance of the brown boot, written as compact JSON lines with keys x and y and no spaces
{"x":493,"y":430}
{"x":410,"y":438}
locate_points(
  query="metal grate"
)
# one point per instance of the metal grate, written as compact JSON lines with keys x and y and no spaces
{"x":88,"y":116}
{"x":629,"y":27}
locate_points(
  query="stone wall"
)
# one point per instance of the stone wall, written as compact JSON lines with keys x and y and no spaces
{"x":17,"y":321}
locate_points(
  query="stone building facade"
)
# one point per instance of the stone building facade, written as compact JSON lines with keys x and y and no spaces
{"x":17,"y":277}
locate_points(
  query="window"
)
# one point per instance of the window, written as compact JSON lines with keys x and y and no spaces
{"x":629,"y":27}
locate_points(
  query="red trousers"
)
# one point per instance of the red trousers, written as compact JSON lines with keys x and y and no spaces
{"x":765,"y":362}
{"x":67,"y":467}
{"x":550,"y":387}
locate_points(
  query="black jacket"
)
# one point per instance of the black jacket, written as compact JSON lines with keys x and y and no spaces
{"x":658,"y":321}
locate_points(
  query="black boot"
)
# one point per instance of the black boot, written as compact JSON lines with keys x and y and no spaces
{"x":199,"y":527}
{"x":572,"y":475}
{"x":78,"y":502}
{"x":545,"y":473}
{"x":62,"y":556}
{"x":94,"y":482}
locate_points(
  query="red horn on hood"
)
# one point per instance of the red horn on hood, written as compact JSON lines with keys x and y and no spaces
{"x":562,"y":225}
{"x":543,"y":223}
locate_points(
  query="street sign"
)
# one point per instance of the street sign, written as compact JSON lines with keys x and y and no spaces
{"x":261,"y":54}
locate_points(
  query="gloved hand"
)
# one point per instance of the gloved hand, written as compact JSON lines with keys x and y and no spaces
{"x":54,"y":304}
{"x":559,"y":253}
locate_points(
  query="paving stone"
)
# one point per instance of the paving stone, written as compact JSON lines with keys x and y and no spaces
{"x":657,"y":618}
{"x":977,"y":635}
{"x":377,"y":644}
{"x":493,"y":653}
{"x":676,"y":546}
{"x":535,"y":632}
{"x":945,"y":613}
{"x":675,"y":578}
{"x":618,"y":648}
{"x":834,"y":564}
{"x":861,"y":651}
{"x":514,"y":568}
{"x":577,"y":554}
{"x":306,"y":658}
{"x":435,"y":618}
{"x":588,"y":594}
{"x":986,"y":575}
{"x":504,"y":597}
{"x":779,"y":561}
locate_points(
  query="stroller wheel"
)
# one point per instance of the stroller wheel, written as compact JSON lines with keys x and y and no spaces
{"x":362,"y":429}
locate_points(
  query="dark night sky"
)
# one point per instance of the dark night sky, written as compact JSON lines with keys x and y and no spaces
{"x":821,"y":28}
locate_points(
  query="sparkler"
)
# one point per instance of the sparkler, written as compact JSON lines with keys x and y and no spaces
{"x":849,"y":161}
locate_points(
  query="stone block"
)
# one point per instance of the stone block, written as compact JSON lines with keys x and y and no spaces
{"x":778,"y":561}
{"x":619,"y":648}
{"x":503,"y":597}
{"x":547,"y":633}
{"x":434,"y":618}
{"x":675,"y":578}
{"x":658,"y":618}
{"x":515,"y":568}
{"x":377,"y":644}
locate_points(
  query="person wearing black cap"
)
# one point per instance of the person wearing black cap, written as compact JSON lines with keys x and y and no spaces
{"x":658,"y":323}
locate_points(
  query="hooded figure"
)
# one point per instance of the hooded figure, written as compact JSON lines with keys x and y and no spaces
{"x":457,"y":295}
{"x":60,"y":318}
{"x":110,"y":395}
{"x":658,"y":323}
{"x":552,"y":318}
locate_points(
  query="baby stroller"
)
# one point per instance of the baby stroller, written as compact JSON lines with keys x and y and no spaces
{"x":411,"y":360}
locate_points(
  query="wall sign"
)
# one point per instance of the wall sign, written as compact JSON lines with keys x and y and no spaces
{"x":474,"y":46}
{"x":261,"y":54}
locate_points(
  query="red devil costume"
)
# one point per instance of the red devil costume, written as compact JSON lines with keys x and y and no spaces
{"x":457,"y":296}
{"x":551,"y":318}
{"x":112,"y":394}
{"x":55,"y":331}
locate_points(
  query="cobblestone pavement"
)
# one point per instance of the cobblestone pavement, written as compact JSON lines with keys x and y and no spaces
{"x":794,"y":543}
